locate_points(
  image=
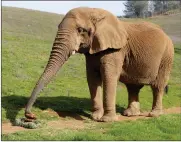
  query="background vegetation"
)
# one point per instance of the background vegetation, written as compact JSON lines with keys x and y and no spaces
{"x":27,"y":37}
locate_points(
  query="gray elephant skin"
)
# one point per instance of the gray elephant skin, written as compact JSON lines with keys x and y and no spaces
{"x":135,"y":54}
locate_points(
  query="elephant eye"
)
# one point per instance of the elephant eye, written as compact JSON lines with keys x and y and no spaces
{"x":81,"y":30}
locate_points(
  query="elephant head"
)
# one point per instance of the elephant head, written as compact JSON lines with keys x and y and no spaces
{"x":82,"y":30}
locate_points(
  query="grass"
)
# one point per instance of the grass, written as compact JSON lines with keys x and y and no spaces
{"x":27,"y":37}
{"x":153,"y":129}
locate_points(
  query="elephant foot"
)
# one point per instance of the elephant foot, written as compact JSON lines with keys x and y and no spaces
{"x":96,"y":115}
{"x":30,"y":116}
{"x":109,"y":117}
{"x":155,"y":113}
{"x":133,"y":109}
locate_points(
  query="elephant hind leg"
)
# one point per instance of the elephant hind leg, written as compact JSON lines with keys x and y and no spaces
{"x":133,"y":108}
{"x":157,"y":101}
{"x":158,"y":87}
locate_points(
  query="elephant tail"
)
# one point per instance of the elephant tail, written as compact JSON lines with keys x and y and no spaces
{"x":166,"y":89}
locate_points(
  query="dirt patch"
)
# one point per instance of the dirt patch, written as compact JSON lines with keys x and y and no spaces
{"x":64,"y":114}
{"x":59,"y":124}
{"x":144,"y":115}
{"x":71,"y":124}
{"x":78,"y":122}
{"x":8,"y":128}
{"x":172,"y":110}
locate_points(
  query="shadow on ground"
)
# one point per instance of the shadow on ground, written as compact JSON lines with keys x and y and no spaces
{"x":64,"y":106}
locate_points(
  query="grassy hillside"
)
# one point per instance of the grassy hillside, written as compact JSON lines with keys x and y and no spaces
{"x":27,"y":37}
{"x":40,"y":25}
{"x":170,"y":24}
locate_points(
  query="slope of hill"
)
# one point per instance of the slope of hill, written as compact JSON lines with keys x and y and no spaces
{"x":169,"y":23}
{"x":42,"y":25}
{"x":27,"y":37}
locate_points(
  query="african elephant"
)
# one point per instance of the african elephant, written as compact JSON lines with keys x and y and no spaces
{"x":135,"y":54}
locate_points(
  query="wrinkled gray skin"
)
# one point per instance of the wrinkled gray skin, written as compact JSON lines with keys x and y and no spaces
{"x":70,"y":38}
{"x":135,"y":54}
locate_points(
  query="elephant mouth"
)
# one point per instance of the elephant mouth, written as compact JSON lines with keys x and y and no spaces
{"x":84,"y":48}
{"x":84,"y":45}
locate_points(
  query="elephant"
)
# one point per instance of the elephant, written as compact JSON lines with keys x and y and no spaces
{"x":134,"y":53}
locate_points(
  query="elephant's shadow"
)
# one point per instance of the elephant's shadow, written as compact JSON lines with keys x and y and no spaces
{"x":63,"y":105}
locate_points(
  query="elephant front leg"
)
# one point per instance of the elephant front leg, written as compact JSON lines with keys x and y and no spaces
{"x":95,"y":88}
{"x":109,"y":77}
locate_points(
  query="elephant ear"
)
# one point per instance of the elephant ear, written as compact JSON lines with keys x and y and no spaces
{"x":109,"y":31}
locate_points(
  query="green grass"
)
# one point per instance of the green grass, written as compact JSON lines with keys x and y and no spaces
{"x":25,"y":51}
{"x":161,"y":128}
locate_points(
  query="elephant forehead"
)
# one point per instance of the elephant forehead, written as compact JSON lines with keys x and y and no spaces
{"x":81,"y":16}
{"x":68,"y":22}
{"x":80,"y":13}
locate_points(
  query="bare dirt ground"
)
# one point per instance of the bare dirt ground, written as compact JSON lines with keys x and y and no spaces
{"x":78,"y":122}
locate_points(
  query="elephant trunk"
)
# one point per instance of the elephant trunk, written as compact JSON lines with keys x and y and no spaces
{"x":61,"y":51}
